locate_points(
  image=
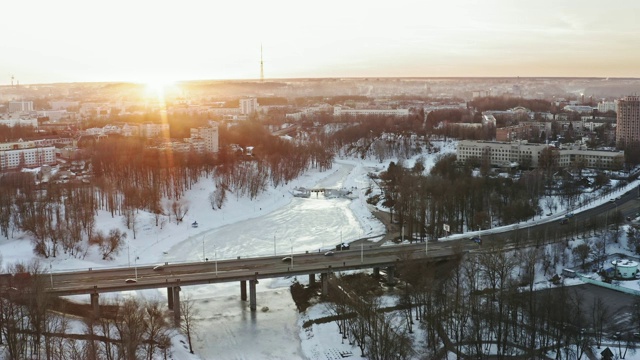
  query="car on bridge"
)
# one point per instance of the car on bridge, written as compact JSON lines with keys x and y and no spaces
{"x":477,"y":239}
{"x":287,"y":259}
{"x":131,"y":281}
{"x":343,"y":246}
{"x":329,"y":253}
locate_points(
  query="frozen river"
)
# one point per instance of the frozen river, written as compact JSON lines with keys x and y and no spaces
{"x":228,"y":329}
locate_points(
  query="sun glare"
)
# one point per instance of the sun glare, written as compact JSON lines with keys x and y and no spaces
{"x":157,"y":88}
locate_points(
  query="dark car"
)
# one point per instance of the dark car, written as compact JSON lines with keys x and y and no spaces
{"x":343,"y":246}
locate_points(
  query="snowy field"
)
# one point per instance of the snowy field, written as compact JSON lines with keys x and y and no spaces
{"x":276,"y":222}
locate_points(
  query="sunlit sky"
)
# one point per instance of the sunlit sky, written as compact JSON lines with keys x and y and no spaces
{"x":44,"y":41}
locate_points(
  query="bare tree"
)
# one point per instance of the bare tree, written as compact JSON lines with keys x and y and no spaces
{"x":157,"y":328}
{"x":130,"y":220}
{"x":179,"y":209}
{"x":189,"y":320}
{"x":131,"y":328}
{"x":111,"y":244}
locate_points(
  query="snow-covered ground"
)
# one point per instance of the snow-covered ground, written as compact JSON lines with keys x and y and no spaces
{"x":275,"y":222}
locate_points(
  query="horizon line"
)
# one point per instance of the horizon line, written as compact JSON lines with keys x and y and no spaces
{"x":267,"y":80}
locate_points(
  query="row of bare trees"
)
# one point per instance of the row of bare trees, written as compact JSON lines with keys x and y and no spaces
{"x":450,"y":194}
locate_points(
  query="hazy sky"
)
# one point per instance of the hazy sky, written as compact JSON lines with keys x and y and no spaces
{"x":46,"y":41}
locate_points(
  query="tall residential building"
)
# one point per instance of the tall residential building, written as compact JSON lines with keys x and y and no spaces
{"x":628,"y":123}
{"x":205,"y":136}
{"x":20,"y":106}
{"x":248,"y":106}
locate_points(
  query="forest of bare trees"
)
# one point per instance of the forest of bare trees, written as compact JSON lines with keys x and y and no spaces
{"x":480,"y":304}
{"x":36,"y":325}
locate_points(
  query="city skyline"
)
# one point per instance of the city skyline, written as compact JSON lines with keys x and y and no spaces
{"x":159,"y":42}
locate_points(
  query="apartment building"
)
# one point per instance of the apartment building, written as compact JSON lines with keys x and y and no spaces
{"x":204,"y":139}
{"x":248,"y":106}
{"x":504,"y":154}
{"x":628,"y":121}
{"x":19,"y":154}
{"x":20,"y":106}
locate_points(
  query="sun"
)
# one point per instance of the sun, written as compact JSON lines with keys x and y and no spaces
{"x":157,"y":87}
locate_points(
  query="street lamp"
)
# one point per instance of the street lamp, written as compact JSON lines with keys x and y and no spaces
{"x":291,"y":241}
{"x":135,"y":262}
{"x":426,"y":245}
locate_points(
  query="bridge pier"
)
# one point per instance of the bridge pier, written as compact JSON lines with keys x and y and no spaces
{"x":324,"y":280}
{"x":312,"y":279}
{"x":243,"y":290}
{"x":390,"y":275}
{"x":170,"y":297}
{"x":95,"y":305}
{"x":376,"y":272}
{"x":252,"y":295}
{"x":176,"y":306}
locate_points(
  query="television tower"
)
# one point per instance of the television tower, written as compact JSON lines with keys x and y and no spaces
{"x":261,"y":65}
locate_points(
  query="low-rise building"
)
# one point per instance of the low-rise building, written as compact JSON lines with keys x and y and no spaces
{"x":15,"y":155}
{"x":20,"y":106}
{"x":505,"y":154}
{"x":339,"y":111}
{"x":19,"y":121}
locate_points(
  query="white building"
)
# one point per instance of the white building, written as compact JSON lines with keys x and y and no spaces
{"x":149,"y":130}
{"x":579,"y":108}
{"x":508,"y":153}
{"x":64,"y":105}
{"x":204,"y":138}
{"x":20,"y":106}
{"x":339,"y":111}
{"x":11,"y":122}
{"x":248,"y":106}
{"x":53,"y":115}
{"x":25,"y":154}
{"x":624,"y":268}
{"x":605,"y":106}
